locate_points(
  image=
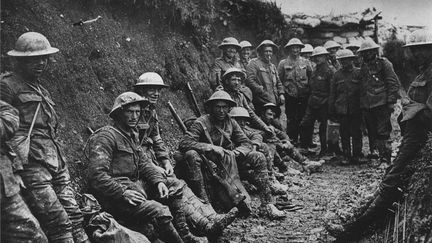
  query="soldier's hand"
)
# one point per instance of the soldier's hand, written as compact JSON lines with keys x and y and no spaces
{"x":163,"y":190}
{"x":19,"y":181}
{"x":134,"y":197}
{"x":169,"y":170}
{"x":268,"y":131}
{"x":218,"y":150}
{"x":282,"y":99}
{"x":405,"y":101}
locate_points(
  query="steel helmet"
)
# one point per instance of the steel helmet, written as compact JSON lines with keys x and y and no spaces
{"x":307,"y":49}
{"x":294,"y":42}
{"x":352,"y":46}
{"x":319,"y":50}
{"x":368,"y":44}
{"x":344,"y":53}
{"x":419,"y":38}
{"x":220,"y":95}
{"x":267,"y":43}
{"x":331,"y":44}
{"x":276,"y":109}
{"x":239,"y":112}
{"x":150,"y":79}
{"x":32,"y":44}
{"x":230,"y":41}
{"x":245,"y":44}
{"x":126,"y":98}
{"x":233,"y":70}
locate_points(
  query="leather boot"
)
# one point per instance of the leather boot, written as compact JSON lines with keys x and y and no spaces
{"x":181,"y":225}
{"x":221,"y":221}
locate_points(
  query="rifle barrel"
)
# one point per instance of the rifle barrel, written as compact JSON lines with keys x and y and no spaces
{"x":176,"y":117}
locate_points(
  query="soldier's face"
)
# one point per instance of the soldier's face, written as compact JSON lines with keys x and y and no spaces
{"x":33,"y":66}
{"x":230,"y":51}
{"x":268,"y":115}
{"x":333,"y":51}
{"x":369,"y":55}
{"x":346,"y":62}
{"x":306,"y":55}
{"x":130,"y":115}
{"x":152,"y":93}
{"x":295,"y":50}
{"x":220,"y":110}
{"x":320,"y":59}
{"x":245,"y":53}
{"x":233,"y":82}
{"x":267,"y":53}
{"x":241,"y":121}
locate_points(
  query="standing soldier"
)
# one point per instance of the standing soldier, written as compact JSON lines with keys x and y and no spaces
{"x":230,"y":48}
{"x":45,"y":173}
{"x":306,"y":51}
{"x":344,"y":105}
{"x":149,"y":86}
{"x":294,"y":72}
{"x":17,"y":222}
{"x":354,"y":46}
{"x":262,"y":77}
{"x":332,"y":47}
{"x":125,"y":181}
{"x":417,"y":116}
{"x":245,"y":56}
{"x":318,"y":100}
{"x":379,"y":92}
{"x":219,"y":138}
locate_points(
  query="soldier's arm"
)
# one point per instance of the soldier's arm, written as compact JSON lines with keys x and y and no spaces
{"x":279,"y":85}
{"x":6,"y":93}
{"x":256,"y":138}
{"x":392,"y":82}
{"x":9,"y":121}
{"x":255,"y":120}
{"x":332,"y":96}
{"x":159,"y":147}
{"x":241,"y":141}
{"x":100,"y":153}
{"x":281,"y":135}
{"x":280,"y":69}
{"x":191,"y":140}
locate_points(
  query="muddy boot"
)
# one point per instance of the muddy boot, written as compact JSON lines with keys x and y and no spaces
{"x":277,"y":188}
{"x":270,"y":211}
{"x":168,"y":234}
{"x":198,"y":188}
{"x":221,"y":221}
{"x":180,"y":223}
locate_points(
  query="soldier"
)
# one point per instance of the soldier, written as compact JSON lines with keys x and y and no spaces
{"x":231,"y":81}
{"x":245,"y":56}
{"x":318,"y":100}
{"x":17,"y":222}
{"x":379,"y":92}
{"x":219,"y":138}
{"x":230,"y":48}
{"x":344,"y":105}
{"x":294,"y":72}
{"x":262,"y":77}
{"x":306,"y":51}
{"x":241,"y":115}
{"x":332,"y":47}
{"x":417,"y":116}
{"x":124,"y":179}
{"x":149,"y":86}
{"x":45,"y":174}
{"x":354,"y":46}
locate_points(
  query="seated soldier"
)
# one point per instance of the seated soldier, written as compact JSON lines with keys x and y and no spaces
{"x":201,"y":216}
{"x":220,"y":139}
{"x":242,"y":117}
{"x":125,"y":181}
{"x":281,"y":142}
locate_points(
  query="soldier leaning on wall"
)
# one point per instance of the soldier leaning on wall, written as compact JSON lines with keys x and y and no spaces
{"x":43,"y":167}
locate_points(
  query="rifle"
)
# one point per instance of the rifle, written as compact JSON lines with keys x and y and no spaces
{"x":232,"y":191}
{"x":194,"y":101}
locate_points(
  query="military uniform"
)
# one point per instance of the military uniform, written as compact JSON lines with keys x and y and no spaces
{"x":317,"y":105}
{"x":17,"y":222}
{"x":220,"y":66}
{"x":118,"y":163}
{"x":344,"y":105}
{"x":379,"y":88}
{"x":263,"y":80}
{"x":295,"y":74}
{"x":204,"y":133}
{"x":46,"y":175}
{"x":418,"y":122}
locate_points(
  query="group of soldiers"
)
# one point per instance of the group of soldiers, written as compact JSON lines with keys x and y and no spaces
{"x":240,"y":138}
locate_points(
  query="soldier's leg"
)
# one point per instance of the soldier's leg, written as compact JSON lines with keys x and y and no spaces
{"x":345,"y":135}
{"x":306,"y":127}
{"x":370,"y":125}
{"x":193,"y":171}
{"x":383,"y":129}
{"x":44,"y":203}
{"x":17,"y":222}
{"x":66,"y":196}
{"x":356,"y":135}
{"x":291,"y":110}
{"x":322,"y":116}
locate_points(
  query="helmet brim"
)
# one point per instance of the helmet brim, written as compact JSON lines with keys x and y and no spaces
{"x":230,"y":102}
{"x":418,"y":44}
{"x":288,"y":46}
{"x":346,"y":57}
{"x":221,"y":46}
{"x":49,"y":51}
{"x":150,"y":84}
{"x":115,"y":109}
